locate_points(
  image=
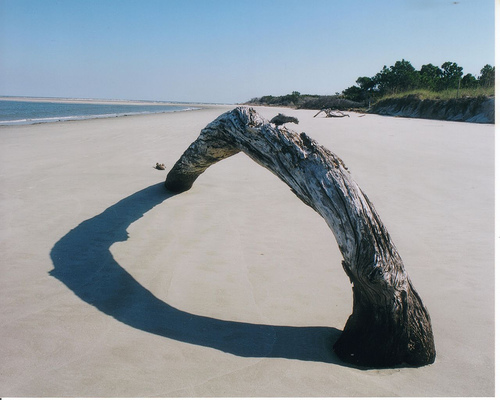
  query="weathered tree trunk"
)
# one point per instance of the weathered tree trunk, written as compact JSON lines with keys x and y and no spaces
{"x":389,"y":324}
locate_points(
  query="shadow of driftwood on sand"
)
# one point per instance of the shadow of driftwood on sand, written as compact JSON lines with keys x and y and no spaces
{"x":83,"y":262}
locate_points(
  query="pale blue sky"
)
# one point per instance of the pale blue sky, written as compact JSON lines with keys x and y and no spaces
{"x":229,"y":50}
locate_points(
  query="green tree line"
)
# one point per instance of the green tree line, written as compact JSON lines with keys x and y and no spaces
{"x":403,"y":77}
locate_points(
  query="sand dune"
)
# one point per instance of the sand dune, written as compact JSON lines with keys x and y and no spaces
{"x":112,"y":288}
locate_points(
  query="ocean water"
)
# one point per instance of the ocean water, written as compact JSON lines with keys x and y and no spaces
{"x":31,"y":112}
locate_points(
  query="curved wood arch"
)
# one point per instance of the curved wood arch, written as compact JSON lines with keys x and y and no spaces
{"x":389,"y":324}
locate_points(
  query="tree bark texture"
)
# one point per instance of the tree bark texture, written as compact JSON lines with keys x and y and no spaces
{"x":389,"y":324}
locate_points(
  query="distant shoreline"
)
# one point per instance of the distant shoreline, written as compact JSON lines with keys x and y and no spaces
{"x":29,"y":111}
{"x":18,"y":110}
{"x":105,"y":101}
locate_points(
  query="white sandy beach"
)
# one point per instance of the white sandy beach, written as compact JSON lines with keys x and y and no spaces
{"x":110,"y":288}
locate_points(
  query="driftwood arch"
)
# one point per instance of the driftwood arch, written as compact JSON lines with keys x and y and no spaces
{"x":389,"y":324}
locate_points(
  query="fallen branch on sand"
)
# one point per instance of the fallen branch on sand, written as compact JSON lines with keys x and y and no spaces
{"x":389,"y":324}
{"x":329,"y":113}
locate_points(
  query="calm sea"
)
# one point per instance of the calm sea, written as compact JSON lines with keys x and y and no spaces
{"x":30,"y":112}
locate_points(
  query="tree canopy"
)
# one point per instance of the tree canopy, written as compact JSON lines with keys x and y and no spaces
{"x":402,"y":77}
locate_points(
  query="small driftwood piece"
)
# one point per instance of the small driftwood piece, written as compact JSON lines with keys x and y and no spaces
{"x":282,"y":119}
{"x":389,"y":324}
{"x":329,"y":113}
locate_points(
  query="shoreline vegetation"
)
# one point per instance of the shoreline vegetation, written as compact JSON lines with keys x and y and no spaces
{"x":400,"y":90}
